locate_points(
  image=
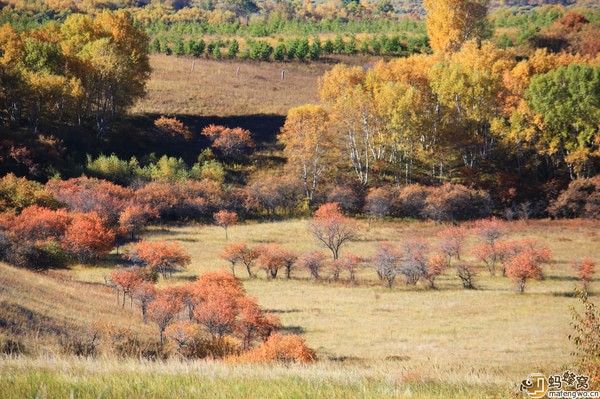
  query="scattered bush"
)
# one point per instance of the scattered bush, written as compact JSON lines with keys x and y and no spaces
{"x":331,"y":228}
{"x":87,"y":237}
{"x":387,"y":261}
{"x":466,"y":273}
{"x":225,"y":219}
{"x":313,"y":262}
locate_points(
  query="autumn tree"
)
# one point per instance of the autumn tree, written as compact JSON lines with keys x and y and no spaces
{"x":127,"y":281}
{"x":133,"y":219}
{"x":436,"y":264}
{"x":183,"y":333}
{"x":523,"y":267}
{"x":87,"y":238}
{"x":331,"y":228}
{"x":349,"y":263}
{"x":162,"y":311}
{"x":585,"y":269}
{"x":253,"y":324}
{"x":164,"y":257}
{"x":452,"y":22}
{"x":308,"y":146}
{"x":232,"y":254}
{"x":225,"y":219}
{"x":413,"y":265}
{"x":272,"y":258}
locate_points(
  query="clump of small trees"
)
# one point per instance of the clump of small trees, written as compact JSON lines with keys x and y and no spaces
{"x":212,"y":316}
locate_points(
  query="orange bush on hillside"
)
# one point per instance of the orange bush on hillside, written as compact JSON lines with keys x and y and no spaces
{"x":278,"y":348}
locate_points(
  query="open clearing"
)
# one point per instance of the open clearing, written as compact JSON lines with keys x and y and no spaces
{"x":492,"y":333}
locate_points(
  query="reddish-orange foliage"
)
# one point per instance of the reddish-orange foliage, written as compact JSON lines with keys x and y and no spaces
{"x":133,"y":219}
{"x":585,"y":269}
{"x":349,"y":263}
{"x":35,"y":223}
{"x":279,"y":348}
{"x":180,"y":200}
{"x":127,"y":281}
{"x":225,"y":219}
{"x":272,"y":258}
{"x":435,"y":266}
{"x":173,"y":127}
{"x":87,"y":237}
{"x":243,"y":254}
{"x":252,"y":323}
{"x":230,"y":142}
{"x":209,"y":282}
{"x":83,"y":194}
{"x":163,"y":257}
{"x":217,"y":312}
{"x":522,"y":267}
{"x":161,"y":311}
{"x":232,"y":253}
{"x":332,"y":228}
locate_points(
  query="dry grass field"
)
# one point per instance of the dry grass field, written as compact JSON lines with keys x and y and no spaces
{"x":489,"y":337}
{"x":227,"y":88}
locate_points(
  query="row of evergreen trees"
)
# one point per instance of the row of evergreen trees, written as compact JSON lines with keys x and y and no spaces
{"x":295,"y":49}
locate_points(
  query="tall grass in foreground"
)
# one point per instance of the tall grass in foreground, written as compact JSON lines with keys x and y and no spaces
{"x":49,"y":377}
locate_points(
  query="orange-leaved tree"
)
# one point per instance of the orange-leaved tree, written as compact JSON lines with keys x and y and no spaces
{"x":585,"y":269}
{"x":331,"y":228}
{"x":523,"y":267}
{"x":162,"y":311}
{"x":225,"y":219}
{"x":164,"y":257}
{"x":87,"y":237}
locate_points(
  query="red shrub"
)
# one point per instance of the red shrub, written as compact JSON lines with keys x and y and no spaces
{"x":585,"y":270}
{"x":349,"y":263}
{"x":225,"y":219}
{"x":272,"y":258}
{"x":87,"y":238}
{"x":378,"y":202}
{"x":218,"y":312}
{"x":160,"y":256}
{"x":83,"y":194}
{"x":252,"y":323}
{"x":133,"y":219}
{"x":436,"y":265}
{"x":144,"y":293}
{"x":40,"y":224}
{"x":172,"y":127}
{"x":523,"y":267}
{"x":231,"y":143}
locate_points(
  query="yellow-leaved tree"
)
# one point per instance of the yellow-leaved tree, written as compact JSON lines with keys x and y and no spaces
{"x":309,"y":146}
{"x":450,"y":23}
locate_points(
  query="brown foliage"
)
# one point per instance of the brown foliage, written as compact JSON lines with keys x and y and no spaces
{"x":231,"y":143}
{"x":522,"y":267}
